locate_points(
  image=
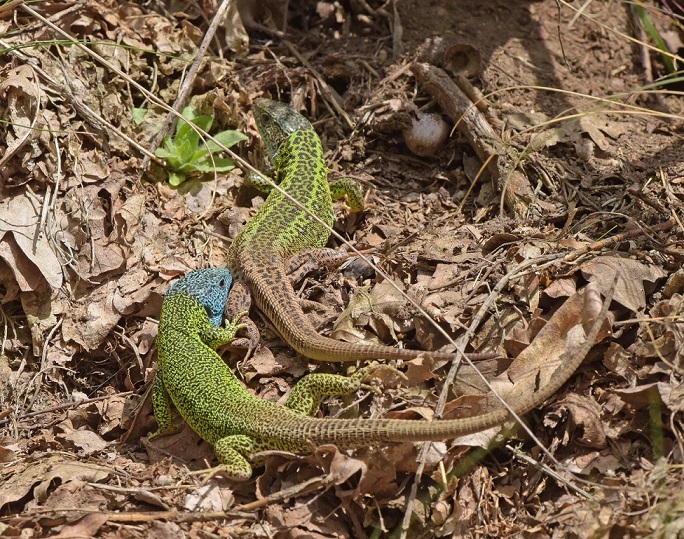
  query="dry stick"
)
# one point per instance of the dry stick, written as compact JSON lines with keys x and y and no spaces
{"x":65,"y":406}
{"x":512,"y":184}
{"x":301,"y":488}
{"x":151,"y":516}
{"x":601,"y":244}
{"x":641,"y":36}
{"x":189,"y":79}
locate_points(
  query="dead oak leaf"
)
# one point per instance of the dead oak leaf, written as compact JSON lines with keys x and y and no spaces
{"x":25,"y":247}
{"x":86,"y":441}
{"x":42,"y":472}
{"x":593,"y":126}
{"x":21,"y":96}
{"x":585,"y":418}
{"x":630,"y":289}
{"x":92,"y":318}
{"x":86,"y":526}
{"x":377,"y":309}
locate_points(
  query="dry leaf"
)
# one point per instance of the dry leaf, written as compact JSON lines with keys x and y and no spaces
{"x":42,"y":473}
{"x":86,"y":526}
{"x":632,"y":274}
{"x":25,"y":247}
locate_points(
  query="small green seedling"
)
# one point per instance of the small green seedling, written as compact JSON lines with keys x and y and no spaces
{"x":185,"y":153}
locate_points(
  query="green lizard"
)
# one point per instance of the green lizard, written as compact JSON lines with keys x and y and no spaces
{"x":283,"y":237}
{"x":208,"y":395}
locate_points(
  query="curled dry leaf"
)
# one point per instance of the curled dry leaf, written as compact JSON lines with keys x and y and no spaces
{"x":585,"y":421}
{"x":20,"y":94}
{"x":377,"y":309}
{"x":85,"y":441}
{"x":209,"y":498}
{"x":86,"y":526}
{"x":25,"y":247}
{"x":533,"y":368}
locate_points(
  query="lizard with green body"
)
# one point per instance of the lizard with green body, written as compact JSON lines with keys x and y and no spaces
{"x":210,"y":398}
{"x":283,"y":235}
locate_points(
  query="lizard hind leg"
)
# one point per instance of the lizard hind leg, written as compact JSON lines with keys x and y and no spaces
{"x":305,"y":262}
{"x":230,"y":452}
{"x":161,"y":405}
{"x":306,"y":396}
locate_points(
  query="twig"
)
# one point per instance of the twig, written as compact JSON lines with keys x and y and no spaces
{"x":151,"y":516}
{"x":306,"y":486}
{"x":330,"y":95}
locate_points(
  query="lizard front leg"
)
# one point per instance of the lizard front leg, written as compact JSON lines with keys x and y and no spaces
{"x":161,"y":405}
{"x":214,"y":336}
{"x":348,"y":187}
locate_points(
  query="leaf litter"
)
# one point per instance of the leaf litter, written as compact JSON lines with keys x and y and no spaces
{"x":89,"y":243}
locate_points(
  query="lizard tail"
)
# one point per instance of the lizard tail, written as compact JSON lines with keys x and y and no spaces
{"x":279,"y":303}
{"x":361,"y":432}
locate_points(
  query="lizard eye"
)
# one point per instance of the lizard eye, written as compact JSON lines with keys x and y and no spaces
{"x":222,"y":283}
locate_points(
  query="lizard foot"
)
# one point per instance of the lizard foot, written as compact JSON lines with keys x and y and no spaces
{"x":376,"y":368}
{"x":224,"y":471}
{"x":159,"y":433}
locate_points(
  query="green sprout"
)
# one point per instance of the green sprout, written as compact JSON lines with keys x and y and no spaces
{"x":186,"y":153}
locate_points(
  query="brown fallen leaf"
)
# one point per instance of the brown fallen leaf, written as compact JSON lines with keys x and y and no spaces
{"x":585,"y":417}
{"x":630,"y":290}
{"x":25,"y":247}
{"x":86,"y":526}
{"x":532,"y":369}
{"x":40,"y":473}
{"x":377,"y":309}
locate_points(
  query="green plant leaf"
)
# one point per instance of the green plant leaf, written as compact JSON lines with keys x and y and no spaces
{"x":219,"y":164}
{"x":186,"y":153}
{"x":138,"y":115}
{"x":227,"y":138}
{"x":204,"y":122}
{"x":176,"y":179}
{"x":185,"y":150}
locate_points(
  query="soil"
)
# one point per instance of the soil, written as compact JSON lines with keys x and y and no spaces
{"x":511,"y":255}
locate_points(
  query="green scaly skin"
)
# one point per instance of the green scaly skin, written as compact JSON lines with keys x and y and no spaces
{"x":283,"y":235}
{"x":208,"y":395}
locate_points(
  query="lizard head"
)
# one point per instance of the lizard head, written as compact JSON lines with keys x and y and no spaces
{"x":209,"y":287}
{"x":276,"y":122}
